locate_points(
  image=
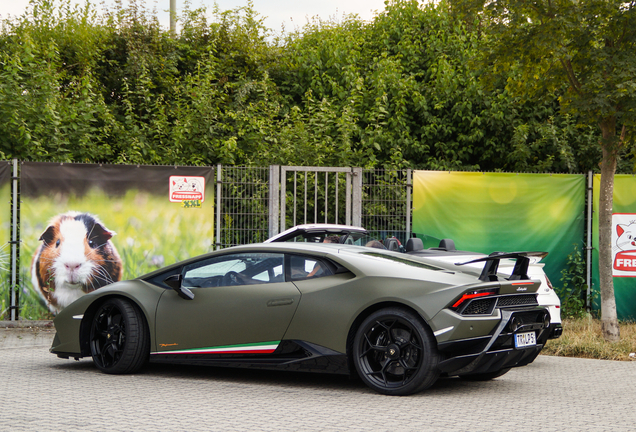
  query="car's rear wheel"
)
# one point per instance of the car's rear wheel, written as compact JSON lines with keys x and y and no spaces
{"x":119,"y":338}
{"x":395,"y":353}
{"x":485,"y":376}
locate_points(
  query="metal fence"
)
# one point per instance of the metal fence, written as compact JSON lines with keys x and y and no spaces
{"x":254,"y":203}
{"x":386,"y":203}
{"x":243,"y":196}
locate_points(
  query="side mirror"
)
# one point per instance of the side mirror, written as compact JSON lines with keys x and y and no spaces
{"x":174,"y":282}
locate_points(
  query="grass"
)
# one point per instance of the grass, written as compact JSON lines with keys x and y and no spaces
{"x":582,"y":338}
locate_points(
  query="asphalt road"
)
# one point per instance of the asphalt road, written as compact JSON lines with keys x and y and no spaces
{"x":39,"y":392}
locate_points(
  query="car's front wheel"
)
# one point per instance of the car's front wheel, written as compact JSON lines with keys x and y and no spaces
{"x":395,"y":353}
{"x":119,"y":338}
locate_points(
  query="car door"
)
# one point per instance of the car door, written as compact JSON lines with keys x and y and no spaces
{"x":241,"y":304}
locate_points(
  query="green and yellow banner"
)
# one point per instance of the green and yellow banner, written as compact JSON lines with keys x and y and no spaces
{"x":488,"y":212}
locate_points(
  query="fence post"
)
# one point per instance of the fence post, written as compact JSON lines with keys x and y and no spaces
{"x":409,"y":188}
{"x":356,"y":196}
{"x":348,"y":198}
{"x":14,"y":242}
{"x":274,"y":199}
{"x":588,"y":247}
{"x":283,"y":197}
{"x":218,"y":206}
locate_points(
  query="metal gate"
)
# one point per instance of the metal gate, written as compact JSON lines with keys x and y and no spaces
{"x":320,"y":195}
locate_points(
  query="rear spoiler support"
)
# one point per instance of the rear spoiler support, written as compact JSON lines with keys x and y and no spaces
{"x":520,"y":271}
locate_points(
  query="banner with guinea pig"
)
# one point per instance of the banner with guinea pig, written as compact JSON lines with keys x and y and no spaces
{"x":84,"y":226}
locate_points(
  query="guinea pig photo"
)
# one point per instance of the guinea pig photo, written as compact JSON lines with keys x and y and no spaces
{"x":75,"y":257}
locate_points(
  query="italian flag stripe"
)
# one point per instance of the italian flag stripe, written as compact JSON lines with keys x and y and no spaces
{"x":251,"y":348}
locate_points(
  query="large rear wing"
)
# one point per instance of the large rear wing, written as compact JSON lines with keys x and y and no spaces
{"x":520,"y":271}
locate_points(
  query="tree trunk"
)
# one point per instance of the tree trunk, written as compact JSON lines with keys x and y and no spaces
{"x":609,"y":320}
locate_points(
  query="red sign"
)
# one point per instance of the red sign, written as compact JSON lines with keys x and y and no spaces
{"x":624,"y":244}
{"x":184,"y":188}
{"x":625,"y":261}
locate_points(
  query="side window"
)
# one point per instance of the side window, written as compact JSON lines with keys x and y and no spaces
{"x":271,"y":275}
{"x":235,"y":269}
{"x":305,"y":267}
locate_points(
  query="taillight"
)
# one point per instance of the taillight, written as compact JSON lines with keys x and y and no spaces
{"x":548,"y":281}
{"x":472,"y":295}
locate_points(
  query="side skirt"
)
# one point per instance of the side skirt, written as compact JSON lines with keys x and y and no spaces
{"x":289,"y":355}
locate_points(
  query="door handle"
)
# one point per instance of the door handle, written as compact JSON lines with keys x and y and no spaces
{"x":280,"y":302}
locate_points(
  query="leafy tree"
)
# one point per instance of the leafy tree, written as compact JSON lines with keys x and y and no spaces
{"x":116,"y":87}
{"x":50,"y":102}
{"x":586,"y":51}
{"x":407,"y":80}
{"x":396,"y":92}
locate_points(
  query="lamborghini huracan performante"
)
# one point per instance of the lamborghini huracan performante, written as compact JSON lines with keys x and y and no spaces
{"x":396,"y":321}
{"x":441,"y":256}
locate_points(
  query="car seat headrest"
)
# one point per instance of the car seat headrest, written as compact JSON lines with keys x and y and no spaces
{"x":447,"y":244}
{"x":414,"y":244}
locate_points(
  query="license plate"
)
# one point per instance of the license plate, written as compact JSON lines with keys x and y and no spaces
{"x":523,"y":340}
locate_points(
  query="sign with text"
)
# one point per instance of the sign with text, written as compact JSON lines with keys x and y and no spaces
{"x":623,"y":245}
{"x":187,"y":189}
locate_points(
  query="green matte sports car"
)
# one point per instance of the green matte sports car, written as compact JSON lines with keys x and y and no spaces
{"x":397,"y":322}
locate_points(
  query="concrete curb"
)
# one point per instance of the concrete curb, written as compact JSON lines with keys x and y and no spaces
{"x":22,"y":324}
{"x":24,"y":334}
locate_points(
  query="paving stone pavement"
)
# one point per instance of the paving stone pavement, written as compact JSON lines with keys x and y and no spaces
{"x":40,"y":392}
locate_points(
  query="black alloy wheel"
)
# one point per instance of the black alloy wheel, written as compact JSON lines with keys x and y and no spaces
{"x":119,"y":338}
{"x":395,"y":353}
